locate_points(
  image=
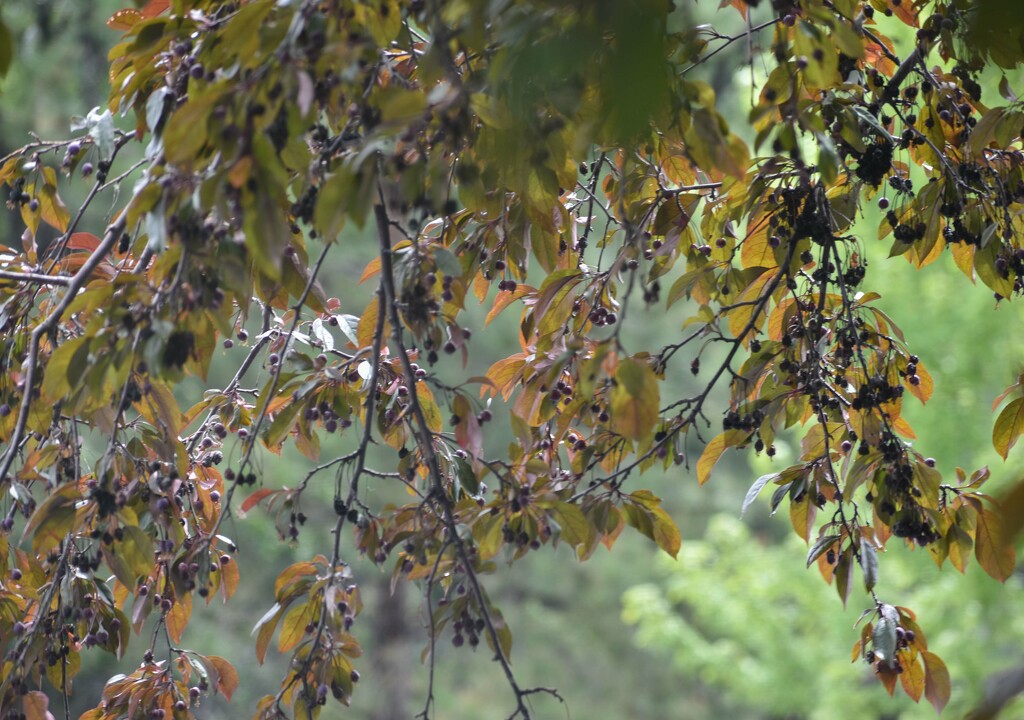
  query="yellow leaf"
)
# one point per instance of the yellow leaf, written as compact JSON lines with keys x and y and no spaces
{"x":912,"y":678}
{"x":368,"y":324}
{"x":666,"y":533}
{"x":995,"y":554}
{"x":293,"y":627}
{"x":714,"y":450}
{"x":504,"y":375}
{"x":756,"y":251}
{"x":742,"y":317}
{"x":52,"y":209}
{"x":1008,"y":428}
{"x":963,"y":256}
{"x":634,"y":400}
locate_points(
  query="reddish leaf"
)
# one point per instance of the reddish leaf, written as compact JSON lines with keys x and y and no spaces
{"x":937,"y":686}
{"x":254,"y":499}
{"x":83,"y":241}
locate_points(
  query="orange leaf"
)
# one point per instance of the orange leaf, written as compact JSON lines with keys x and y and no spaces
{"x":923,"y":390}
{"x":368,"y":325}
{"x":177,"y":618}
{"x":289,"y":576}
{"x":506,"y":298}
{"x":227,"y":683}
{"x":371,"y":269}
{"x":229,"y":579}
{"x":912,"y":678}
{"x":254,"y":499}
{"x":265,"y":631}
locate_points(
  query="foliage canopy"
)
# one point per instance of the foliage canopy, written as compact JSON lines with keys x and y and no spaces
{"x":562,"y":160}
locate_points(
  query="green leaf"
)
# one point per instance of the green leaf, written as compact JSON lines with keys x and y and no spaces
{"x":135,"y":551}
{"x":828,"y":158}
{"x":101,"y":130}
{"x":820,"y":546}
{"x":53,"y":519}
{"x":869,"y":562}
{"x":576,"y":529}
{"x":6,"y":49}
{"x":186,"y":130}
{"x":1009,"y":427}
{"x":266,"y":233}
{"x":883,"y":639}
{"x":284,"y":420}
{"x":65,"y":368}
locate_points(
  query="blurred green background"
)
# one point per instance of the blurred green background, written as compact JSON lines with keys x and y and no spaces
{"x":735,"y":628}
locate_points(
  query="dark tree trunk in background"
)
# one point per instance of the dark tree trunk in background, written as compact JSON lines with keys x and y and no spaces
{"x":392,"y":660}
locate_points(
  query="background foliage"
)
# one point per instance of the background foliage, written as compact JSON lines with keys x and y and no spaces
{"x":533,"y":595}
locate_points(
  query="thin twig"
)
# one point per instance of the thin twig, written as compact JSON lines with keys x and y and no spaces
{"x":38,"y":278}
{"x":48,"y":325}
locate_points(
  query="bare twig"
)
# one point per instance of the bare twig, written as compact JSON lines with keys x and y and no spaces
{"x":425,"y":441}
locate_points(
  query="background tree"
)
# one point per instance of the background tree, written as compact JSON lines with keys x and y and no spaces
{"x":475,"y":143}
